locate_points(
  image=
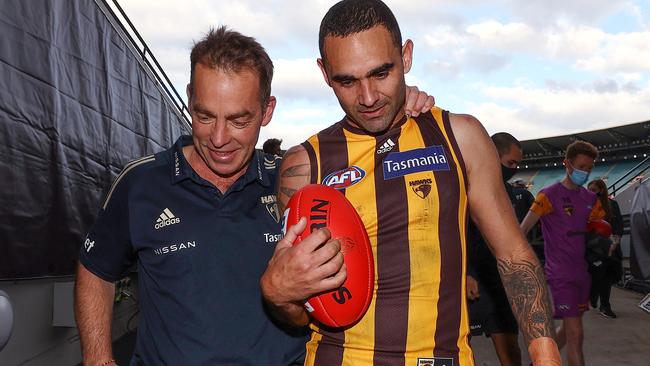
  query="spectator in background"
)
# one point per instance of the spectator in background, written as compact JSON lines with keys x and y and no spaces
{"x":564,"y":209}
{"x":490,"y":311}
{"x":518,"y":183}
{"x":272,"y":146}
{"x":522,"y":199}
{"x":609,"y":270}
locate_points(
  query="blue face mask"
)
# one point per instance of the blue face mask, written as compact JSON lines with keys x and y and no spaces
{"x":579,"y":177}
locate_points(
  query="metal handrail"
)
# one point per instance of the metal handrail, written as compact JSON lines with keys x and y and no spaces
{"x":151,"y":61}
{"x":634,"y":171}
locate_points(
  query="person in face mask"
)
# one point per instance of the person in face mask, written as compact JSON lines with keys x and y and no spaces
{"x":490,"y":312}
{"x":607,"y":270}
{"x":565,"y":208}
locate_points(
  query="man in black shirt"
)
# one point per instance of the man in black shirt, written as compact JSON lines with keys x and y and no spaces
{"x":490,"y":311}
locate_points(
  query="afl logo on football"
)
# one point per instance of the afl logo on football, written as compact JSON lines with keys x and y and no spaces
{"x":344,"y":178}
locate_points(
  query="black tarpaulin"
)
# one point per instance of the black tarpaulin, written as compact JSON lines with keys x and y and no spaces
{"x":75,"y":106}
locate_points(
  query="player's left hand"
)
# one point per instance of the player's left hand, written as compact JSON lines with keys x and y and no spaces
{"x":417,"y":101}
{"x":543,"y":351}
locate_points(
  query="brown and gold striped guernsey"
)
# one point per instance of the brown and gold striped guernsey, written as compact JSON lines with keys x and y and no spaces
{"x":410,"y":188}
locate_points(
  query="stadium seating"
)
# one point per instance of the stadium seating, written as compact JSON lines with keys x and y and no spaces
{"x":610,"y":172}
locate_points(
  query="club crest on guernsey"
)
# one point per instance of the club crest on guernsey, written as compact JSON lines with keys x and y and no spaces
{"x":421,"y":187}
{"x":271,"y":206}
{"x":273,"y":211}
{"x":399,"y":164}
{"x":344,"y":178}
{"x":568,"y":209}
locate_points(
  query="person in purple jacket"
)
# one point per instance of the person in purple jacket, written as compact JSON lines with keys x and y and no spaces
{"x":565,"y":208}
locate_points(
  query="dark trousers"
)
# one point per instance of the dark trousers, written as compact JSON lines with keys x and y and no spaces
{"x":602,"y":278}
{"x":601,"y":288}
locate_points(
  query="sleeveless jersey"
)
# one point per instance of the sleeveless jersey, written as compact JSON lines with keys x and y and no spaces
{"x":410,"y":188}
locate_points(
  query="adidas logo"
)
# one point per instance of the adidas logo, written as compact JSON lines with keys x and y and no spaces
{"x":386,"y":147}
{"x":166,"y":218}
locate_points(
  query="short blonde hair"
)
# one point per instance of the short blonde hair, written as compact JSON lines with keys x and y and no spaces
{"x":581,"y":147}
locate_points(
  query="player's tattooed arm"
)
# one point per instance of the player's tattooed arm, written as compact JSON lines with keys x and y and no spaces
{"x":295,"y":173}
{"x":492,"y":212}
{"x":287,"y":281}
{"x":526,"y":287}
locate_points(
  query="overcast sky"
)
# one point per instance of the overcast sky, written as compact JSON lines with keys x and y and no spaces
{"x":534,"y":68}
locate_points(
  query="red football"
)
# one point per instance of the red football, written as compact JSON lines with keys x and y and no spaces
{"x":323,"y":206}
{"x":600,"y":227}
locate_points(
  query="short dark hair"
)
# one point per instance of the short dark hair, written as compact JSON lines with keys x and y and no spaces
{"x":504,"y":141}
{"x":232,"y":51}
{"x":581,"y":147}
{"x":271,"y":145}
{"x":354,"y":16}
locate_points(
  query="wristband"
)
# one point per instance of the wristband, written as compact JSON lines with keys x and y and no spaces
{"x":106,"y":363}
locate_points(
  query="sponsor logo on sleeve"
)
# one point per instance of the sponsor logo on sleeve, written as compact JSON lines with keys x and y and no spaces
{"x":399,"y":164}
{"x":345,"y":178}
{"x":89,"y":244}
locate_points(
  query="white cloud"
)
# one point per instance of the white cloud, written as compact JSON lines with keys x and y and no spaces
{"x":176,"y":64}
{"x":452,"y":42}
{"x":637,"y":13}
{"x":623,"y":52}
{"x":294,"y":123}
{"x":509,"y":36}
{"x":561,"y":40}
{"x":444,"y":36}
{"x":543,"y":12}
{"x":567,"y":41}
{"x":277,"y":24}
{"x":491,"y":45}
{"x":497,"y":118}
{"x":534,"y":112}
{"x":299,"y":79}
